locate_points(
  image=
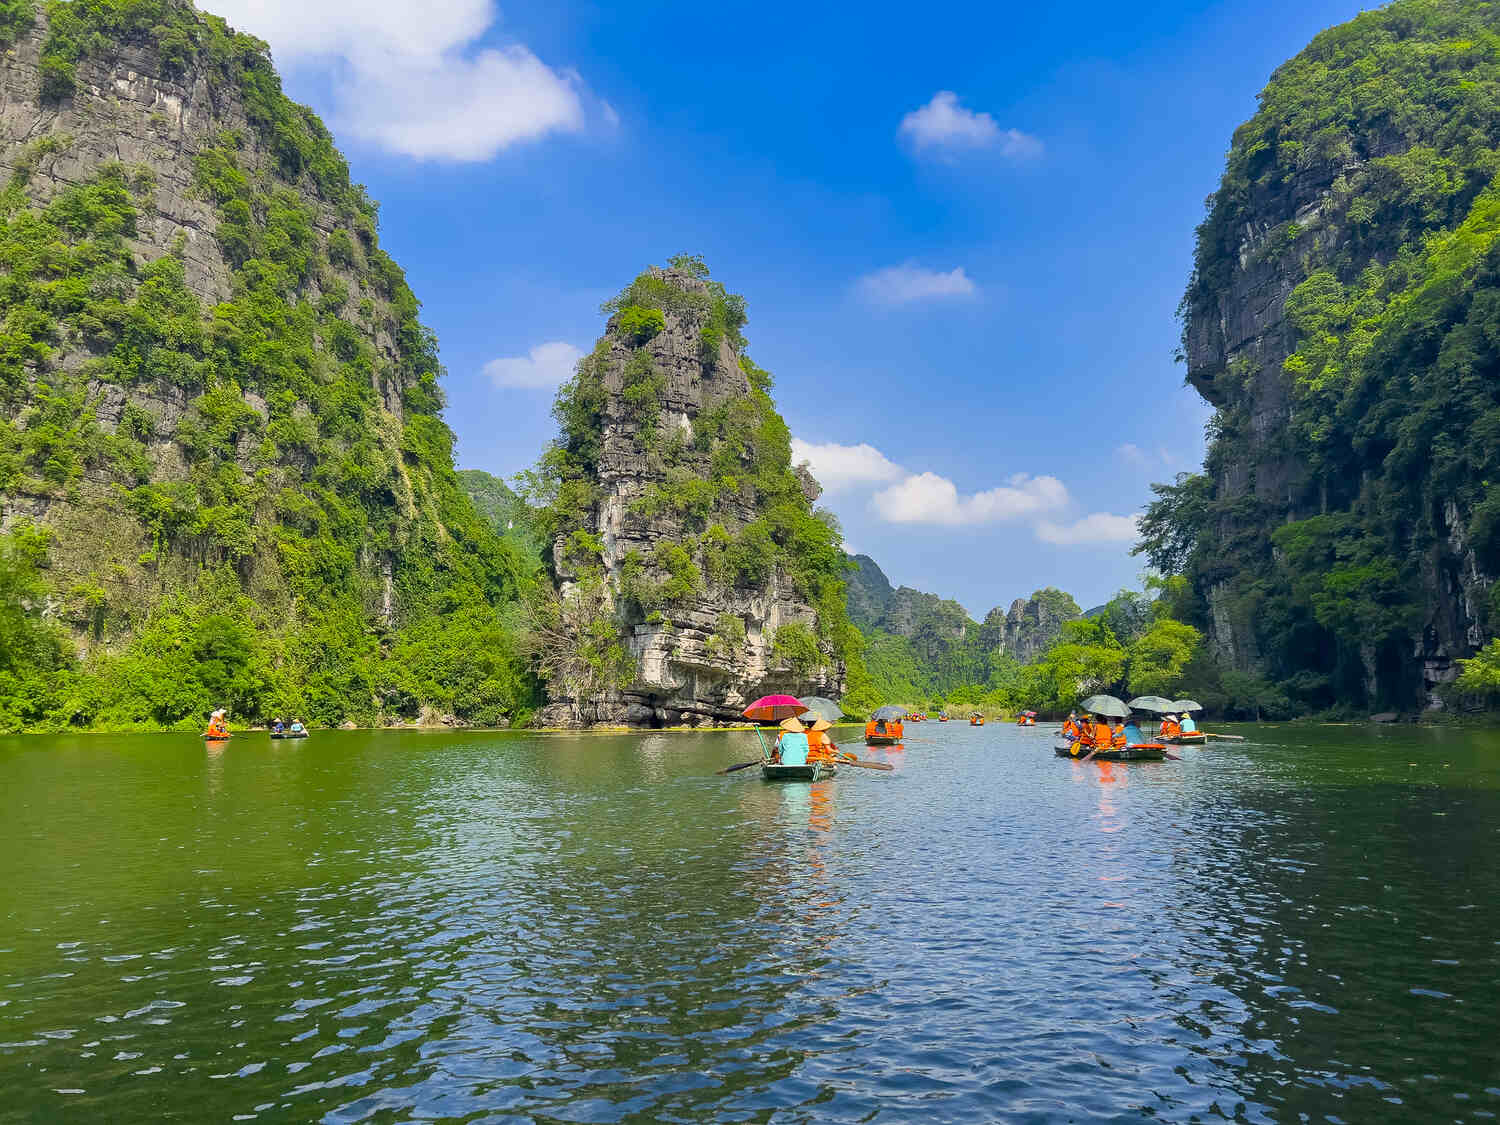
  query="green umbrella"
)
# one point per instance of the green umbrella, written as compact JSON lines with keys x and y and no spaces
{"x":1105,"y":705}
{"x":1186,"y":705}
{"x":823,"y":707}
{"x":1154,"y":703}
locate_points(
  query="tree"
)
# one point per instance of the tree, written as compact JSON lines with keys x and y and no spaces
{"x":1158,"y":656}
{"x":576,"y":642}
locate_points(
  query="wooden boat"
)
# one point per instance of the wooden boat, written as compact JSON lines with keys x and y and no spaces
{"x":1193,"y":739}
{"x":812,"y":771}
{"x":216,"y":737}
{"x":288,"y":734}
{"x":1151,"y":753}
{"x":887,"y":734}
{"x":977,"y":721}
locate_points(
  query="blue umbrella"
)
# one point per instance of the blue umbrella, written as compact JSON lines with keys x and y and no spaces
{"x":891,"y":712}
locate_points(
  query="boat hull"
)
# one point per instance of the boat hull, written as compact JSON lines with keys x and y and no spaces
{"x":1196,"y":739}
{"x":812,"y":771}
{"x":1128,"y":754}
{"x":278,"y":737}
{"x":881,"y":740}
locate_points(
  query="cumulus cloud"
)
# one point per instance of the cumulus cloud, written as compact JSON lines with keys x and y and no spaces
{"x":944,"y":126}
{"x":927,"y":498}
{"x":545,"y":367}
{"x":1101,"y":527}
{"x":840,"y":467}
{"x":899,"y":285}
{"x":408,"y":77}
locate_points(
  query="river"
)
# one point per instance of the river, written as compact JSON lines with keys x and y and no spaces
{"x":406,"y":925}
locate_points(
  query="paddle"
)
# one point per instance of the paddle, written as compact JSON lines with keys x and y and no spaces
{"x":870,"y":765}
{"x":741,"y":766}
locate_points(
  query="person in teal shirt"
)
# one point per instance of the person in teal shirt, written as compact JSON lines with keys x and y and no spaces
{"x":1133,"y":735}
{"x":1188,"y":726}
{"x":791,"y":747}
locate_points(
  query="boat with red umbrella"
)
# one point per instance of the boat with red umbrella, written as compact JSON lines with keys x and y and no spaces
{"x":778,"y":709}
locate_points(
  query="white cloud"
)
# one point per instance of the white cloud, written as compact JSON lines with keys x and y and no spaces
{"x":545,"y":367}
{"x":839,"y":467}
{"x":1132,"y":454}
{"x":945,"y":126}
{"x":930,"y":499}
{"x":898,"y":285}
{"x":408,"y":78}
{"x":1101,"y":527}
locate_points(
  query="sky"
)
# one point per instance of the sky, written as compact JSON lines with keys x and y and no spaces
{"x":962,"y":232}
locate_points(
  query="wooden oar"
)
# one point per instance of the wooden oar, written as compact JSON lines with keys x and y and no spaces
{"x":741,"y":766}
{"x":1235,"y":737}
{"x":870,"y":765}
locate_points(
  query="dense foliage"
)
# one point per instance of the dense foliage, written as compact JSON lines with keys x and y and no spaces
{"x":725,"y":483}
{"x":1394,"y":414}
{"x":255,"y":502}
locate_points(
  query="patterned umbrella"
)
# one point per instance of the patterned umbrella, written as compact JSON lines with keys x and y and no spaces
{"x":774,"y":708}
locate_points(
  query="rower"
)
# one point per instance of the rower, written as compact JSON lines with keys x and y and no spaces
{"x":820,"y":748}
{"x":1188,"y":726}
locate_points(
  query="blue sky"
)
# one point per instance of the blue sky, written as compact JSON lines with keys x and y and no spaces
{"x":962,"y":231}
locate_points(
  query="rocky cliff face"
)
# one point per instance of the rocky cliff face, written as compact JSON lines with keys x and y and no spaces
{"x":677,"y":491}
{"x":211,"y":366}
{"x":1334,"y":543}
{"x":1030,"y":626}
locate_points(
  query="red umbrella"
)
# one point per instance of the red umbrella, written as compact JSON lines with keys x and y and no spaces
{"x":774,"y":708}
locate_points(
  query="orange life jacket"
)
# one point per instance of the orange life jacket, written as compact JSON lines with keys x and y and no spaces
{"x":1117,"y":740}
{"x":819,"y":749}
{"x":1170,"y":729}
{"x":1101,"y":735}
{"x":1070,"y":729}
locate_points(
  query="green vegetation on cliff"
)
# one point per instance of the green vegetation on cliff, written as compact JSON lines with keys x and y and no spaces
{"x":251,"y":503}
{"x":1339,"y":546}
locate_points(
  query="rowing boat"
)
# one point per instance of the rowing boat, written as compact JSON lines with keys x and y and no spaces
{"x":812,"y":771}
{"x":1127,"y":754}
{"x":1193,"y":738}
{"x":290,"y":734}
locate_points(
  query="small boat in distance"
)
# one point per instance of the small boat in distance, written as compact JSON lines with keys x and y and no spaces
{"x":976,"y":719}
{"x":1026,"y":719}
{"x":885,"y":726}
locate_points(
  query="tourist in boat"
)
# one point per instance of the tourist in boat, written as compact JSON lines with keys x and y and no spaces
{"x":297,"y":727}
{"x":1070,"y":727}
{"x":1099,"y":735}
{"x":819,"y":747}
{"x":1133,"y":735}
{"x":218,"y":727}
{"x":791,"y":745}
{"x":1170,"y":727}
{"x":1187,"y":724}
{"x":1117,"y":736}
{"x":277,"y":726}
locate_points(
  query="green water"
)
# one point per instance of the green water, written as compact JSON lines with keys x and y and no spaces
{"x":412,"y":926}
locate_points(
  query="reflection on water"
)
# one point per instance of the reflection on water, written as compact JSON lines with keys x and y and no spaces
{"x":388,"y":926}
